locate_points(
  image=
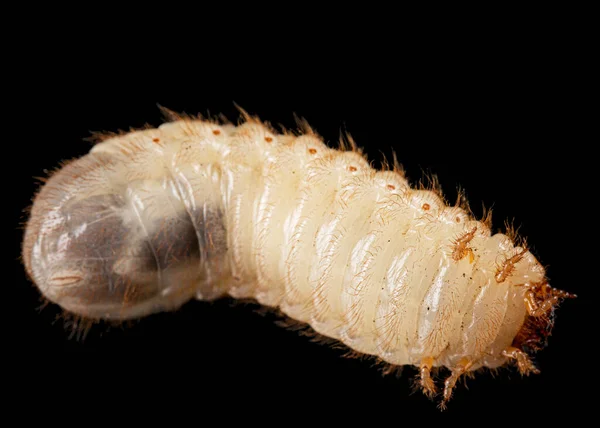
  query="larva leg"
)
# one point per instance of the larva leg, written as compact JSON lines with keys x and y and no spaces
{"x":534,"y":308}
{"x":460,"y":246}
{"x":524,"y":363}
{"x":426,"y":381}
{"x":508,"y":267}
{"x":463,"y":365}
{"x":545,"y":294}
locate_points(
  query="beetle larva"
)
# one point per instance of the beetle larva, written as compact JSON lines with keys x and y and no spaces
{"x":151,"y":219}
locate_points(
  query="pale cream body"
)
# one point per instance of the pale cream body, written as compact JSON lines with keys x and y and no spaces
{"x":356,"y":253}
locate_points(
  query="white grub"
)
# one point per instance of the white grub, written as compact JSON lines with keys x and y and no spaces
{"x":197,"y":209}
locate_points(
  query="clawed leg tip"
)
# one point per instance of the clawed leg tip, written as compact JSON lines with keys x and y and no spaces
{"x":524,"y":363}
{"x":526,"y":371}
{"x":428,"y":388}
{"x":427,"y":384}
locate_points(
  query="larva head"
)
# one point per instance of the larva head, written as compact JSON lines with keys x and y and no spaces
{"x":520,"y":280}
{"x":83,"y":254}
{"x":541,"y":301}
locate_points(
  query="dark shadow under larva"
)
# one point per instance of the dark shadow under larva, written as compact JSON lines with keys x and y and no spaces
{"x":198,"y":209}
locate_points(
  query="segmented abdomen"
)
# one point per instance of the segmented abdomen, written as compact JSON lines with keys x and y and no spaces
{"x":152,"y":218}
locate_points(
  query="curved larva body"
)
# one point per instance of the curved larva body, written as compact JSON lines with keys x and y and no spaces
{"x":153,"y":218}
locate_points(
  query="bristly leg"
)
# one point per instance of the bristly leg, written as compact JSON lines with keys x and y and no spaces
{"x":460,"y":369}
{"x":461,"y":248}
{"x":541,"y":298}
{"x":524,"y":363}
{"x":507,"y":268}
{"x":426,"y":382}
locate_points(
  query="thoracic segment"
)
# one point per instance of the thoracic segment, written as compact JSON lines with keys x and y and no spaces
{"x":356,"y":253}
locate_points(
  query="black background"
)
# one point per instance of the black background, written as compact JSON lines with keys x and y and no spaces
{"x":505,"y":120}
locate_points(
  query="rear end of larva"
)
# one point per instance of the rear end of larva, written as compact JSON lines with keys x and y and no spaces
{"x":196,"y":209}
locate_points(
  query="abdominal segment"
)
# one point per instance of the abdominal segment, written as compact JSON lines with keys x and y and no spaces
{"x":123,"y":255}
